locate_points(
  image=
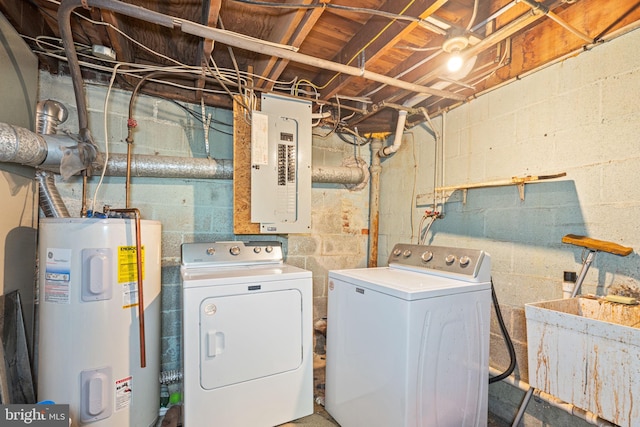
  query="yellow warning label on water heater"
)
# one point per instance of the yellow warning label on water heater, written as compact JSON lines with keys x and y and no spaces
{"x":128,"y":264}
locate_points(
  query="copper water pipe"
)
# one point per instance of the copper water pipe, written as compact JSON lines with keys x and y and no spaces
{"x":143,"y":353}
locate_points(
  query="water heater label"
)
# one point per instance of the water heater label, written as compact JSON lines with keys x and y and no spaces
{"x":129,"y":295}
{"x":128,"y":274}
{"x":128,"y":264}
{"x":57,"y":276}
{"x":124,"y":391}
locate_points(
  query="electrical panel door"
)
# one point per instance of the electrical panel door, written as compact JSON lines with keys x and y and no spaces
{"x":281,"y":165}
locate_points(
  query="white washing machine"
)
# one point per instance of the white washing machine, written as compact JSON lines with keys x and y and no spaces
{"x":408,"y":344}
{"x":247,"y":336}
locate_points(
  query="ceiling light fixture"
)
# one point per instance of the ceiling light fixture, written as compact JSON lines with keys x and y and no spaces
{"x":454,"y":46}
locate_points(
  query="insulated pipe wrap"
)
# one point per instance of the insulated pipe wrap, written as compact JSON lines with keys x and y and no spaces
{"x":170,"y":167}
{"x":20,"y":145}
{"x":337,"y":175}
{"x":203,"y":168}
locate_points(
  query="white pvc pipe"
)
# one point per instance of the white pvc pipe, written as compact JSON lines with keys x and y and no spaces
{"x":397,"y":141}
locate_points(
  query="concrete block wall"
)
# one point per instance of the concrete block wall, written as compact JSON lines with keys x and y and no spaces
{"x":579,"y":116}
{"x":202,"y":210}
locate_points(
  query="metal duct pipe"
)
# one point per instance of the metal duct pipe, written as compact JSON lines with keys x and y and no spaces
{"x":348,"y":175}
{"x":19,"y":145}
{"x":50,"y":200}
{"x":170,"y":167}
{"x":49,"y":114}
{"x":203,"y":168}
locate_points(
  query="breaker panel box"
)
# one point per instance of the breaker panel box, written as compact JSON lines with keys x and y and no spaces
{"x":281,"y":165}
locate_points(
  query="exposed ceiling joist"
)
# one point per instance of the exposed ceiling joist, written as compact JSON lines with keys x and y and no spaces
{"x":315,"y":50}
{"x":376,"y":40}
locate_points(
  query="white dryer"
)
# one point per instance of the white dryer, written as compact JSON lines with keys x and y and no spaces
{"x":408,"y":344}
{"x":247,"y":336}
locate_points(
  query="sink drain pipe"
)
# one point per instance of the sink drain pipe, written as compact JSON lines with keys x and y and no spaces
{"x":569,"y":408}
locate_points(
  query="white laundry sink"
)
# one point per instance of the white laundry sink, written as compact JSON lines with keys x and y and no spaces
{"x":587,"y":352}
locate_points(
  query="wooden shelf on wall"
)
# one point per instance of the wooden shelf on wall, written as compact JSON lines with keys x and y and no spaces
{"x":519,"y":181}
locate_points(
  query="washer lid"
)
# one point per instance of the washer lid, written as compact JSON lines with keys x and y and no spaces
{"x":405,"y":284}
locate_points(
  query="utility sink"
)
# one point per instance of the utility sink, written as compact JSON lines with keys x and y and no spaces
{"x":587,"y":352}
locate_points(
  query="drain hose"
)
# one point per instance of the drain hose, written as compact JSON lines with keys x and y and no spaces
{"x":507,"y":340}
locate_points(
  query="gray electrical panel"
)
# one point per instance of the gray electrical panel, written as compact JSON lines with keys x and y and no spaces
{"x":281,"y":165}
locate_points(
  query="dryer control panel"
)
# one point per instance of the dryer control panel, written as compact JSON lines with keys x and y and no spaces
{"x":231,"y":253}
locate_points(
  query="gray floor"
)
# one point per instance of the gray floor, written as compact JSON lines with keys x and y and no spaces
{"x":321,"y":418}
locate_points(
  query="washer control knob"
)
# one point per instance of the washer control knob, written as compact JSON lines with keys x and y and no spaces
{"x":211,"y":251}
{"x":426,"y":256}
{"x":464,"y":261}
{"x":406,"y":253}
{"x":269,"y":249}
{"x":257,"y":249}
{"x":235,"y":250}
{"x":450,"y":259}
{"x":397,"y":252}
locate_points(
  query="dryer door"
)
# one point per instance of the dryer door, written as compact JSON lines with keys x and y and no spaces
{"x":249,"y":336}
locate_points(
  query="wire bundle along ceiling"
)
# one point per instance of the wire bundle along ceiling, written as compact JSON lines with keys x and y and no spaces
{"x":358,"y":61}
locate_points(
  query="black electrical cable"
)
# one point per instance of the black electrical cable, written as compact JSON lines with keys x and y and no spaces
{"x":507,"y":339}
{"x":356,"y":138}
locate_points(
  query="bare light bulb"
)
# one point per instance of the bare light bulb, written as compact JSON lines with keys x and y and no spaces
{"x":455,"y":61}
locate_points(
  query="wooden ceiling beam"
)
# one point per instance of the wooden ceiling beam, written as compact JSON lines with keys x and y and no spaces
{"x":292,"y":30}
{"x":25,"y":17}
{"x":28,"y":19}
{"x":119,"y":43}
{"x":377,"y":38}
{"x":210,"y":15}
{"x":533,"y":48}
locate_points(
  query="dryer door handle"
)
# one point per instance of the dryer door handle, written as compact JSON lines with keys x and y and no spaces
{"x":214,"y":343}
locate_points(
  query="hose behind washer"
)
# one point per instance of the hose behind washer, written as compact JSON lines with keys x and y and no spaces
{"x":507,"y":339}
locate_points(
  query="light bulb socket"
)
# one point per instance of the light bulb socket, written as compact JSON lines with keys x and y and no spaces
{"x":456,"y":43}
